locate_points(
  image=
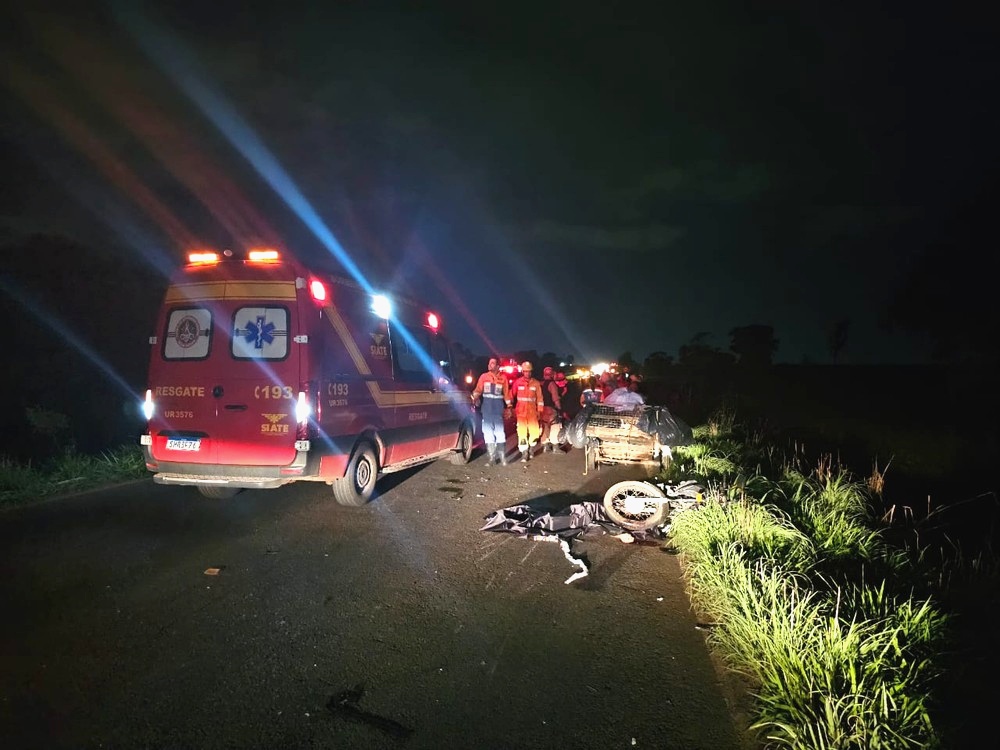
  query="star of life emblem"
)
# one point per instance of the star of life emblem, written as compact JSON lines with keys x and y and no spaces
{"x":259,"y":333}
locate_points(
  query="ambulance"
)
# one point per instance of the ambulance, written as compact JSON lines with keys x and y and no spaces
{"x":263,"y":372}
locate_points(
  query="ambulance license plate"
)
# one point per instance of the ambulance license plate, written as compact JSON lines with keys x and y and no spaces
{"x":183,"y":444}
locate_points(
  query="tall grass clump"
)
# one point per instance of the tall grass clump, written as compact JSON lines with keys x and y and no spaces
{"x":811,"y":604}
{"x":834,"y":511}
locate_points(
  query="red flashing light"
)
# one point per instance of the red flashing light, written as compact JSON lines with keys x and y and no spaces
{"x":203,"y":258}
{"x":318,"y":290}
{"x":263,"y":255}
{"x":432,"y":321}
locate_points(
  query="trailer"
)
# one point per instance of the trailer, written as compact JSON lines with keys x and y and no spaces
{"x":613,"y":435}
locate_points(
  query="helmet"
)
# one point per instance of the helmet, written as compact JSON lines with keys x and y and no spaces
{"x":548,"y":372}
{"x":526,"y":367}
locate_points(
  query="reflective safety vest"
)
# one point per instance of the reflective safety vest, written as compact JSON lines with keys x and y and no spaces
{"x":494,"y":389}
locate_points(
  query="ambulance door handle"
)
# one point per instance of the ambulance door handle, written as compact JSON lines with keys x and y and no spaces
{"x":236,"y":407}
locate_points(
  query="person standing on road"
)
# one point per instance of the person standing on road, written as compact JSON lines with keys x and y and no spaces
{"x":592,"y":394}
{"x":563,"y":384}
{"x":494,"y":390}
{"x":551,"y":408}
{"x":528,"y":406}
{"x":607,"y":385}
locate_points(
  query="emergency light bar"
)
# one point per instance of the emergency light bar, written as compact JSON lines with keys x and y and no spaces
{"x":203,"y":258}
{"x":263,"y":255}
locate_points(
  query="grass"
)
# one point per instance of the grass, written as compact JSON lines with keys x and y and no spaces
{"x":843,"y":634}
{"x":70,"y":472}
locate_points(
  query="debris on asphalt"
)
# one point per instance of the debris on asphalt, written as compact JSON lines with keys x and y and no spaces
{"x":345,"y":706}
{"x":212,"y":571}
{"x":564,"y":545}
{"x":559,"y":526}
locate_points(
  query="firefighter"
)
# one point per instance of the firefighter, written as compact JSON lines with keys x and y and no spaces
{"x":494,"y":390}
{"x":551,"y":410}
{"x":528,"y":407}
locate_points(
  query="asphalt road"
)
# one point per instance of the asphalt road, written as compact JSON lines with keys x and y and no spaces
{"x":400,"y":624}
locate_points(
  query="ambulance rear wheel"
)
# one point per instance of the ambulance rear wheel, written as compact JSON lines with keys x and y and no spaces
{"x":218,"y":493}
{"x":465,"y":445}
{"x":357,"y":486}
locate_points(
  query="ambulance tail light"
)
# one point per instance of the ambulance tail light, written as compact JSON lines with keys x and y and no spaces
{"x":303,"y":409}
{"x":263,"y":255}
{"x":203,"y":258}
{"x":307,"y":411}
{"x":148,"y":407}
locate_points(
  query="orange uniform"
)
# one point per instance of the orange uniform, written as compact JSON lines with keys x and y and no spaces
{"x":528,"y":407}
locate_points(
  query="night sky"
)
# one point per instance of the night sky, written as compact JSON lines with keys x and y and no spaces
{"x":578,"y":178}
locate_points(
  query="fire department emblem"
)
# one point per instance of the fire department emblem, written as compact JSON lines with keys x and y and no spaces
{"x":274,"y":418}
{"x":186,"y":332}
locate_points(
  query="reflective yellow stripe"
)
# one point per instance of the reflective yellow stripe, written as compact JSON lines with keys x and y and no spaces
{"x":218,"y":290}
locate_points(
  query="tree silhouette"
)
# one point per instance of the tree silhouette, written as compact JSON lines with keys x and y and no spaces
{"x":755,"y":344}
{"x":836,"y":339}
{"x":530,"y":355}
{"x":699,"y":353}
{"x":657,"y":364}
{"x":627,"y":362}
{"x":548,"y":359}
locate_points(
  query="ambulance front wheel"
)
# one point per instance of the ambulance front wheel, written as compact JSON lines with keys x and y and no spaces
{"x":356,"y":487}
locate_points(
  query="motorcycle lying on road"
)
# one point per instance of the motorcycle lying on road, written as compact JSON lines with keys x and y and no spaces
{"x":638,"y":505}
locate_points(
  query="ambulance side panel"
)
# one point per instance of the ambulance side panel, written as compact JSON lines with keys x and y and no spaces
{"x":374,"y":384}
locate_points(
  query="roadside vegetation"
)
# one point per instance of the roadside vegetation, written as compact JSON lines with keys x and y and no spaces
{"x":840,"y":611}
{"x":62,"y":468}
{"x":69,"y":472}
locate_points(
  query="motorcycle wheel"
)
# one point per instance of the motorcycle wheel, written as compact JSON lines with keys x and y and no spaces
{"x":633,"y":505}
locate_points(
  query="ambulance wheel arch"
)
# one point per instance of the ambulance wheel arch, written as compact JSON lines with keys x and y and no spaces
{"x":466,"y":444}
{"x":357,"y":486}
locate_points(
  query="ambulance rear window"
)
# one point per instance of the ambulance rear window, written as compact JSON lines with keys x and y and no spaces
{"x":260,"y":333}
{"x":189,"y":334}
